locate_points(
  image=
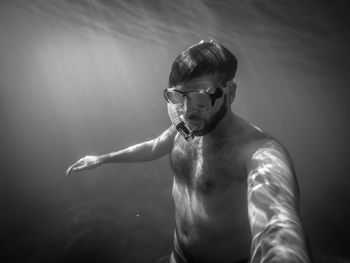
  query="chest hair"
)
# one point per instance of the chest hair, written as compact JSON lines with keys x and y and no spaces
{"x":207,"y":167}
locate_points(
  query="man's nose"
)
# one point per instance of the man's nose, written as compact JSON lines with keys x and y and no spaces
{"x":188,"y":108}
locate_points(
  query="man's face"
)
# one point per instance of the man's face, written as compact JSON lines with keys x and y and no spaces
{"x":199,"y":120}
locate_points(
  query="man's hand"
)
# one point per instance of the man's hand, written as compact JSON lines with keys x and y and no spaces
{"x":85,"y":163}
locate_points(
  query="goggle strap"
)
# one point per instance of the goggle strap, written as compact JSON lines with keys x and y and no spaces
{"x":216,"y":95}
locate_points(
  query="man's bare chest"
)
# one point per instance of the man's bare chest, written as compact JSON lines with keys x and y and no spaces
{"x":208,"y":167}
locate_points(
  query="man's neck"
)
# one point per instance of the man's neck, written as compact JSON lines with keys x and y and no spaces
{"x":222,"y":129}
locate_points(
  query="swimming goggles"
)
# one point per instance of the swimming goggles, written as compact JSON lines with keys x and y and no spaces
{"x":201,"y":99}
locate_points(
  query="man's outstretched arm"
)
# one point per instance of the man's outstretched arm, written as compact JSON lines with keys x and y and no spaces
{"x":141,"y":152}
{"x":277,"y":233}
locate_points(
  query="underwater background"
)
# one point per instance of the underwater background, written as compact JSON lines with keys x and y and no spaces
{"x":81,"y":77}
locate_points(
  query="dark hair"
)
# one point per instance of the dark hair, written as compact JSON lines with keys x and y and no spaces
{"x":202,"y":59}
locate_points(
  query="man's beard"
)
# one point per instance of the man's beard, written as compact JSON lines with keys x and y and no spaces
{"x":213,"y":121}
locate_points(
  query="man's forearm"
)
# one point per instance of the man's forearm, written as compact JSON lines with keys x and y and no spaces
{"x":280,"y":242}
{"x":142,"y":152}
{"x":137,"y":153}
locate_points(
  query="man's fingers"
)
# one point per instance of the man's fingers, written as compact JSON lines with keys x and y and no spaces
{"x":68,"y":170}
{"x":87,"y":162}
{"x":73,"y":169}
{"x":73,"y":166}
{"x":79,"y":168}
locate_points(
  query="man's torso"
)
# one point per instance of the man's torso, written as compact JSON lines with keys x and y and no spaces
{"x":210,"y":194}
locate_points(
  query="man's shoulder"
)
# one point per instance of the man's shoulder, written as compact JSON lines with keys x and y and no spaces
{"x":245,"y":131}
{"x":250,"y":138}
{"x":273,"y":152}
{"x":273,"y":145}
{"x":255,"y":142}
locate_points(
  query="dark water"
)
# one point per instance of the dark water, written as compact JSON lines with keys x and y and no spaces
{"x":85,"y":77}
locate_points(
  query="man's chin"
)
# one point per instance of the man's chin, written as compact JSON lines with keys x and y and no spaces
{"x":194,"y":125}
{"x":198,"y":130}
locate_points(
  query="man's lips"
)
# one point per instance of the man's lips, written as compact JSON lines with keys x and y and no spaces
{"x":192,"y":119}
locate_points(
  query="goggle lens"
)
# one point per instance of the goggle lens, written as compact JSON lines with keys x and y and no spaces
{"x":197,"y":99}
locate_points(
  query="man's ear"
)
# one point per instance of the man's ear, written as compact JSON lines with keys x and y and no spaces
{"x":231,"y":91}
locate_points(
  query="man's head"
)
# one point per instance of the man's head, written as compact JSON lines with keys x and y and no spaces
{"x":202,"y":59}
{"x":201,"y":86}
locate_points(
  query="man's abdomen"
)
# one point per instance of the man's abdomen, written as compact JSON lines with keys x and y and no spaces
{"x":212,"y":228}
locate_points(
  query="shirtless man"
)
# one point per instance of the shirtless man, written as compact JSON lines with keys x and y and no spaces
{"x":234,"y":187}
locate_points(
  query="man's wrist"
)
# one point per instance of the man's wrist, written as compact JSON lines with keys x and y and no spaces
{"x":102,"y":159}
